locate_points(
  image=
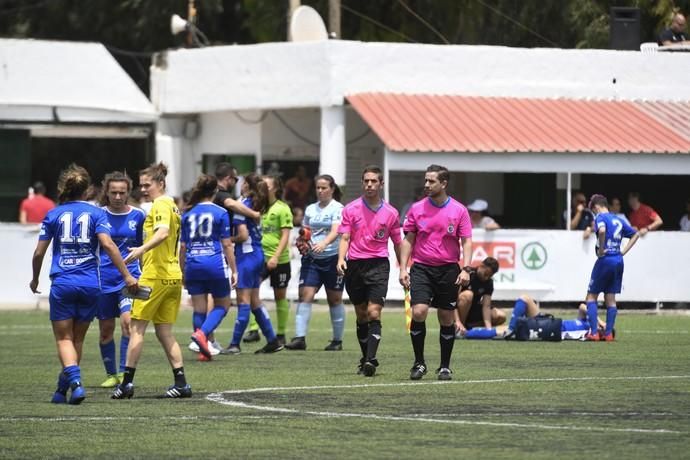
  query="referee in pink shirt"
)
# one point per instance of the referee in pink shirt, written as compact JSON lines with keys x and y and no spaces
{"x":434,"y":230}
{"x":367,"y":224}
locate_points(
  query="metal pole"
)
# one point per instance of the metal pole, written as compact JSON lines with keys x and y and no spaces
{"x":334,"y":18}
{"x":568,"y":199}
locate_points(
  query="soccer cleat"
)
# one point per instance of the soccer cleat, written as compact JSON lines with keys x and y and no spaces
{"x":252,"y":336}
{"x":335,"y":345}
{"x":360,"y":366}
{"x":59,"y":397}
{"x":78,"y":393}
{"x":418,"y":371}
{"x":214,"y":347}
{"x":369,"y":369}
{"x":202,"y":358}
{"x":200,"y":339}
{"x":123,"y":391}
{"x":179,"y":392}
{"x":443,"y":373}
{"x":193,"y":347}
{"x":589,"y":337}
{"x":608,"y":337}
{"x":281,"y":338}
{"x":270,"y":347}
{"x":111,"y":381}
{"x":297,"y":343}
{"x":231,"y":350}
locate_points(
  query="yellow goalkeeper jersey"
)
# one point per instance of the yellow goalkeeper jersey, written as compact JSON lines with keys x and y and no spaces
{"x":162,"y":262}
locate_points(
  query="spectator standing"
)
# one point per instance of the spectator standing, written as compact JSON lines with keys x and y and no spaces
{"x":642,"y":217}
{"x":479,"y":217}
{"x":616,"y":210}
{"x":297,"y":188}
{"x":581,"y":218}
{"x":33,"y":209}
{"x":675,"y":34}
{"x":685,"y":220}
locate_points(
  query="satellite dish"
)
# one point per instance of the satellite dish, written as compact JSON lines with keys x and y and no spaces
{"x":307,"y":26}
{"x":177,"y":24}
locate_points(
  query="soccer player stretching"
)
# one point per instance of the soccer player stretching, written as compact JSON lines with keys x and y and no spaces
{"x":205,"y":253}
{"x":607,"y":274}
{"x":367,"y":224}
{"x":161,"y":272}
{"x":434,"y":228}
{"x":126,"y":229}
{"x":76,"y":228}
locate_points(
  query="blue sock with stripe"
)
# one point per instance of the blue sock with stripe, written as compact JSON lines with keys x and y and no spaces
{"x":124,"y":345}
{"x":198,"y":320}
{"x":302,"y":317}
{"x":108,"y":357}
{"x":243,"y":312}
{"x":519,"y":310}
{"x":592,"y":316}
{"x":338,"y":321}
{"x":481,"y":333}
{"x":73,"y":374}
{"x":213,"y":320}
{"x":264,"y":322}
{"x":611,"y":313}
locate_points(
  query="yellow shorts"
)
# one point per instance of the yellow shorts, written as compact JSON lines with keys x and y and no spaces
{"x":164,"y":303}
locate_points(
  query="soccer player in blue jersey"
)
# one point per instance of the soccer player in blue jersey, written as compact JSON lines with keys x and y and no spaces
{"x":249,"y":257}
{"x":206,"y":251}
{"x":76,"y":229}
{"x":607,"y":274}
{"x":319,"y":264}
{"x":126,"y":225}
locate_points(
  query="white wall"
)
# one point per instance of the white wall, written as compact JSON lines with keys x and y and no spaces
{"x":321,"y":74}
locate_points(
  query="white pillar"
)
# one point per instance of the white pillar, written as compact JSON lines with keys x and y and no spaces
{"x":168,"y":150}
{"x":333,"y":150}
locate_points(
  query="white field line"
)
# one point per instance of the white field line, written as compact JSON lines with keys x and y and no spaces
{"x":132,"y":418}
{"x":220,"y":399}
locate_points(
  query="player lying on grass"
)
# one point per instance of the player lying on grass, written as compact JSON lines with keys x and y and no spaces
{"x":526,"y":307}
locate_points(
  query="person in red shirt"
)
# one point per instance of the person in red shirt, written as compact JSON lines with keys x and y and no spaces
{"x":34,"y":208}
{"x":642,"y":217}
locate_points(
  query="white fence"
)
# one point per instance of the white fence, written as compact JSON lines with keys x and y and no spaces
{"x":551,"y":265}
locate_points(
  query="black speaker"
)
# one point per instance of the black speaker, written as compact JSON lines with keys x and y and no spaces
{"x":625,"y":28}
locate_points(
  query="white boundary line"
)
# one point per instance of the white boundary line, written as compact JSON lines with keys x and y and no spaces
{"x":219,"y":398}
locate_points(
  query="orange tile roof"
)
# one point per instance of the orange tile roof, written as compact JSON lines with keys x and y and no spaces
{"x":443,"y":123}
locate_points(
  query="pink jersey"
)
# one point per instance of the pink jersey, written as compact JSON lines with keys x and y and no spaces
{"x":438,"y":230}
{"x":369,"y":229}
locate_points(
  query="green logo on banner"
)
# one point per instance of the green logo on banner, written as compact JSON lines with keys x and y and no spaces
{"x":534,"y":256}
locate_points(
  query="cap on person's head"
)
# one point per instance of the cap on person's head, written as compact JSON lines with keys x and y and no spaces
{"x":478,"y":206}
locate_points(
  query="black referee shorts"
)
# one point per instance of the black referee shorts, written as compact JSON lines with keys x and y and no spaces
{"x":280,"y":276}
{"x":366,"y":280}
{"x":434,"y":286}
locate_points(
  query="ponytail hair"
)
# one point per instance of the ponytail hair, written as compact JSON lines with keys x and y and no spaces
{"x":73,"y":183}
{"x":156,"y":171}
{"x":337,"y":193}
{"x":258,"y":192}
{"x":206,"y":186}
{"x":115,"y":176}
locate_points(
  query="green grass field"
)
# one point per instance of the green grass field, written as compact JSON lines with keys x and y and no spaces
{"x":628,"y":399}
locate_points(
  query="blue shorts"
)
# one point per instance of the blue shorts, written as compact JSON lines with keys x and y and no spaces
{"x":249,"y":268}
{"x":570,"y":325}
{"x":112,"y":305}
{"x":317,"y":272}
{"x":79,"y":303}
{"x":607,"y":275}
{"x":218,"y":287}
